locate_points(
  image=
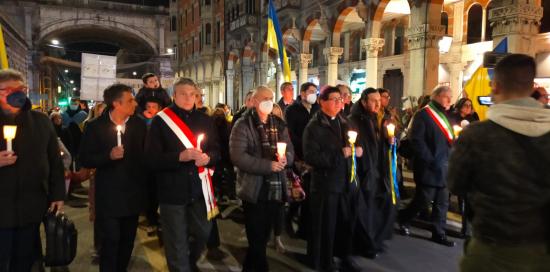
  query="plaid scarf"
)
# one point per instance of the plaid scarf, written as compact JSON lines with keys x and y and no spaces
{"x":269,"y":136}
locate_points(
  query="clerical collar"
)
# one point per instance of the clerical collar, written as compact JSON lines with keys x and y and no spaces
{"x":123,"y":125}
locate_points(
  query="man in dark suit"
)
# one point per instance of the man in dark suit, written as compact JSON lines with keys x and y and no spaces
{"x":119,"y":174}
{"x":431,"y":137}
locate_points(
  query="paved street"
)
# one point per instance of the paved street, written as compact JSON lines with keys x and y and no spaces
{"x":404,"y":254}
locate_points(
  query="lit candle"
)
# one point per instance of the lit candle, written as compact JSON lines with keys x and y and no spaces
{"x":281,"y":149}
{"x":199,"y":141}
{"x":352,"y":136}
{"x":119,"y":135}
{"x":391,"y":130}
{"x":457,"y":130}
{"x":9,"y":135}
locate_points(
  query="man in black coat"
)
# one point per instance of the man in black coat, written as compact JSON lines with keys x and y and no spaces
{"x":431,"y":138}
{"x":119,"y":174}
{"x":298,"y":115}
{"x":31,"y":176}
{"x":376,"y":223}
{"x":151,"y":89}
{"x":183,"y":212}
{"x":326,"y":150}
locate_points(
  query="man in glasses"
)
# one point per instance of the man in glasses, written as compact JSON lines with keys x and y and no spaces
{"x":31,"y":174}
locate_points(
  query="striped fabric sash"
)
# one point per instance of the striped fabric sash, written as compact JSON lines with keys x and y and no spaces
{"x":188,"y":139}
{"x":441,"y":121}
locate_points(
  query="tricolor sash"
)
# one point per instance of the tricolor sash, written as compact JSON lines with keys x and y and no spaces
{"x":188,"y":139}
{"x":441,"y":121}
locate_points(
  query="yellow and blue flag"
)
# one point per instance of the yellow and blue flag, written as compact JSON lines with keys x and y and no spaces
{"x":3,"y":53}
{"x":275,"y":39}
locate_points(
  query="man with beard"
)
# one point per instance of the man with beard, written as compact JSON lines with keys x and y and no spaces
{"x":376,"y":223}
{"x":151,"y":88}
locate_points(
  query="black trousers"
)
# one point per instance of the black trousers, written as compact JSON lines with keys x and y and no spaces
{"x":152,"y":201}
{"x":331,"y":229}
{"x":423,"y":196}
{"x":259,"y":220}
{"x":117,"y":242}
{"x":19,"y":248}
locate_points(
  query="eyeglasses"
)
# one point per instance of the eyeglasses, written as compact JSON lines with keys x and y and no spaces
{"x":336,"y":99}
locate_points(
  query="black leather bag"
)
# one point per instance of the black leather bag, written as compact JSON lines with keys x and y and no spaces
{"x":61,"y":240}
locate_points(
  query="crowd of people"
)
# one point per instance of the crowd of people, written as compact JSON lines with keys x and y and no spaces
{"x":318,"y":159}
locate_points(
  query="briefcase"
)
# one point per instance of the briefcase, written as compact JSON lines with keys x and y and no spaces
{"x":61,"y":240}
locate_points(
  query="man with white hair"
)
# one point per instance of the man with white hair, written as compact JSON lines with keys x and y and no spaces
{"x":431,"y":136}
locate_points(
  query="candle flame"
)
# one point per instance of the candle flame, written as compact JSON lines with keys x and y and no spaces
{"x":9,"y":132}
{"x":281,"y":149}
{"x":391,"y":129}
{"x":457,"y":130}
{"x":352,"y":136}
{"x":200,"y":137}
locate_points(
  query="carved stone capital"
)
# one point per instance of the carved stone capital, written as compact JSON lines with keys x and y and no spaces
{"x":424,"y":36}
{"x":333,"y":54}
{"x":372,"y":46}
{"x":515,"y":19}
{"x":230,"y":73}
{"x":305,"y":59}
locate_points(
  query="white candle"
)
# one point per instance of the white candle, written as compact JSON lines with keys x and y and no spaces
{"x":352,"y":136}
{"x":9,"y":135}
{"x":457,"y":130}
{"x":199,"y":141}
{"x":281,"y":149}
{"x":391,"y":130}
{"x":119,"y":135}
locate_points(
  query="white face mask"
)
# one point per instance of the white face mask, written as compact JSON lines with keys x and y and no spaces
{"x":73,"y":107}
{"x":266,"y":107}
{"x":311,"y":98}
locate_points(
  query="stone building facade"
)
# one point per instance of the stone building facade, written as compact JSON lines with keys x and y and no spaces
{"x":198,"y":27}
{"x":408,"y":47}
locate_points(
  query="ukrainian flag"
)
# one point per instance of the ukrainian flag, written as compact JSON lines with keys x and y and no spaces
{"x":3,"y":53}
{"x":275,"y":39}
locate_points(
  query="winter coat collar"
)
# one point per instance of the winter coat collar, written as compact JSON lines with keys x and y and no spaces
{"x":524,"y":116}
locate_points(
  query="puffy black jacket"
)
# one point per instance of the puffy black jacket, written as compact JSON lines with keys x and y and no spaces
{"x":179,"y":182}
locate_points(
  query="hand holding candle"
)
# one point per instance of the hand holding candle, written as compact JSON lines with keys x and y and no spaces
{"x":352,"y":136}
{"x":281,"y":150}
{"x":119,"y":135}
{"x":9,"y":135}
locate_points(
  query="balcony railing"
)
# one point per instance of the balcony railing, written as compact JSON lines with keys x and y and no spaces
{"x":246,"y":20}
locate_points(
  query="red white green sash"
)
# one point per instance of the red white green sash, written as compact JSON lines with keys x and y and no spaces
{"x":441,"y":121}
{"x":188,"y":139}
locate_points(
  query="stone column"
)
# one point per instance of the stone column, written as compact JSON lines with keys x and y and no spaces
{"x":230,"y":76}
{"x":458,"y":24}
{"x":372,"y":46}
{"x":305,"y":60}
{"x":423,"y":42}
{"x":332,"y":54}
{"x":248,"y":78}
{"x":263,"y":72}
{"x":483,"y":23}
{"x":519,"y":21}
{"x":456,"y":71}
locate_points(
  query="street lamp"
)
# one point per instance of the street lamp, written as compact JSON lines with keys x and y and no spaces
{"x":72,"y":81}
{"x":66,"y":71}
{"x":55,"y":42}
{"x":170,"y":51}
{"x":134,"y":73}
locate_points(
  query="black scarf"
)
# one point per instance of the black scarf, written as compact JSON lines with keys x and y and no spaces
{"x":269,"y":136}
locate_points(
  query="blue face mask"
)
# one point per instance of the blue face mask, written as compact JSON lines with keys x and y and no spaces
{"x":17,"y":99}
{"x":73,"y":107}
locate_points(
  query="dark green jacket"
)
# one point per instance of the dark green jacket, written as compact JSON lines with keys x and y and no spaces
{"x":36,"y":179}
